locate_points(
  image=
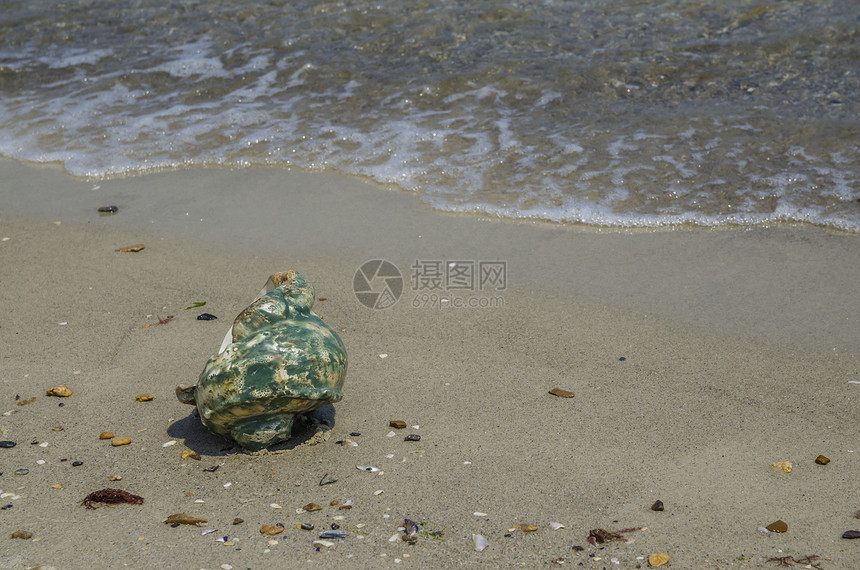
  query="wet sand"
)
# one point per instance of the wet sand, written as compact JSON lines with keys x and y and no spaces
{"x":698,"y":359}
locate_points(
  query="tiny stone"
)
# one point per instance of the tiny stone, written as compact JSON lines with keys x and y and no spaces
{"x":821,"y":460}
{"x":657,"y":506}
{"x":108,"y":209}
{"x":77,"y":463}
{"x":333,"y":534}
{"x":658,"y":559}
{"x":271,"y":530}
{"x":144,"y":397}
{"x":399,"y":424}
{"x":412,"y":437}
{"x":311,"y":507}
{"x":22,"y":471}
{"x":61,"y":391}
{"x":561,"y":393}
{"x":23,"y":534}
{"x":7,"y":444}
{"x":334,"y":503}
{"x":851,"y":534}
{"x":106,"y":435}
{"x":237,"y":520}
{"x":116,"y":477}
{"x":56,"y":486}
{"x":57,"y":428}
{"x":784,"y":466}
{"x":306,"y":526}
{"x":206,"y":317}
{"x":777,"y":526}
{"x":117,"y":441}
{"x":354,"y":434}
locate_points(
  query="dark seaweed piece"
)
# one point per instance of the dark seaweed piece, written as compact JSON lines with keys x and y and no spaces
{"x":112,"y":497}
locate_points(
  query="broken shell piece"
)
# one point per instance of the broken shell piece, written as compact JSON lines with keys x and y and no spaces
{"x":182,"y":518}
{"x":271,"y":530}
{"x":561,"y":393}
{"x":144,"y":397}
{"x":784,"y":466}
{"x":132,"y":248}
{"x":61,"y":391}
{"x":279,"y":360}
{"x":368,"y":468}
{"x":556,"y":526}
{"x":656,"y":560}
{"x":480,"y":542}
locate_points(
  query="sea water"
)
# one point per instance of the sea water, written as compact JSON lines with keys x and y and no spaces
{"x":606,"y":112}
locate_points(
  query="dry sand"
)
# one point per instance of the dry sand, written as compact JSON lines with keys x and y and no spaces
{"x":740,"y":348}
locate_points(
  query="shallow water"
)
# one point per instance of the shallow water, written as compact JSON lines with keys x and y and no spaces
{"x":620,"y":113}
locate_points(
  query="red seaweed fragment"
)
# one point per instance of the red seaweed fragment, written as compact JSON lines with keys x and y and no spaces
{"x":111,"y":497}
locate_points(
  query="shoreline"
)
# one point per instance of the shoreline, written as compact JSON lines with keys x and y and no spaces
{"x":738,"y":350}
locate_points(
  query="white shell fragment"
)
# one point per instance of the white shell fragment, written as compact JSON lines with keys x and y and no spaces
{"x":368,"y":468}
{"x":169,"y":443}
{"x":480,"y":542}
{"x":323,"y":543}
{"x":394,"y":537}
{"x":556,"y":525}
{"x":479,"y":514}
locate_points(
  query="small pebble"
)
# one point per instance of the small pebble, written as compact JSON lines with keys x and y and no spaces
{"x":777,"y":526}
{"x":851,"y":534}
{"x":784,"y":466}
{"x":117,"y":441}
{"x":399,"y":424}
{"x":107,"y":210}
{"x":56,"y":486}
{"x":821,"y":460}
{"x":657,"y":506}
{"x":77,"y":463}
{"x":22,"y":534}
{"x":658,"y":559}
{"x":61,"y":391}
{"x":412,"y":437}
{"x":311,"y":507}
{"x":206,"y":317}
{"x":561,"y":393}
{"x":354,"y":434}
{"x":106,"y":435}
{"x":7,"y":444}
{"x":116,"y":477}
{"x":306,"y":526}
{"x":237,"y":520}
{"x":271,"y":530}
{"x":22,"y":471}
{"x":144,"y":397}
{"x":333,"y":534}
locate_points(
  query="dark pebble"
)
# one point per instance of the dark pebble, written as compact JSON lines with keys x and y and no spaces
{"x":851,"y":534}
{"x":333,"y":534}
{"x":335,"y":526}
{"x":6,"y":507}
{"x":211,"y":469}
{"x":307,"y":526}
{"x":412,"y":437}
{"x":77,"y":463}
{"x":22,"y":471}
{"x":622,"y":359}
{"x":657,"y":506}
{"x":63,"y":459}
{"x":354,"y":434}
{"x":7,"y":443}
{"x":60,"y":405}
{"x":34,"y":442}
{"x":578,"y":548}
{"x":508,"y":535}
{"x":206,"y":317}
{"x":108,"y":209}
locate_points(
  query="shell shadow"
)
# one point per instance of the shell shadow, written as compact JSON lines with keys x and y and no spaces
{"x":197,"y":437}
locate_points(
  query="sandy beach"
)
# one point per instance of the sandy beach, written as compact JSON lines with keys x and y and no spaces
{"x":698,"y":358}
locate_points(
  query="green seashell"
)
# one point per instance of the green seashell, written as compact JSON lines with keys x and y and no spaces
{"x":283,"y":360}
